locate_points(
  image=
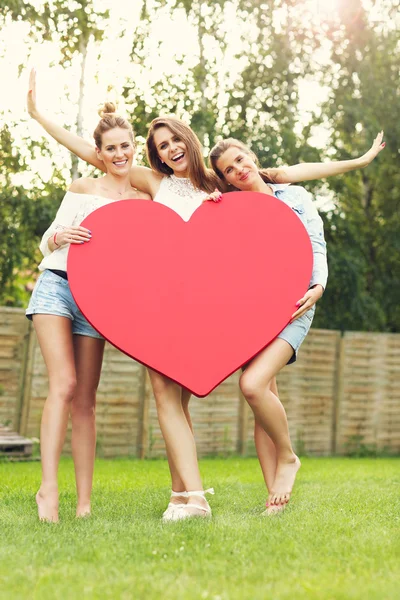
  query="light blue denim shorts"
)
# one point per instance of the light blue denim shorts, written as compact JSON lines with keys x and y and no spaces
{"x":52,"y":296}
{"x":295,"y":332}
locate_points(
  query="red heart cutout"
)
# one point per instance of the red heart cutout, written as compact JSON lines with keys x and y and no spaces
{"x":193,"y":300}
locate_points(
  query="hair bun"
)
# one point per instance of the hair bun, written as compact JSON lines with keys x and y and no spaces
{"x":108,"y":108}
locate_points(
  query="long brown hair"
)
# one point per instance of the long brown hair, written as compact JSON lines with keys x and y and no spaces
{"x":200,"y":176}
{"x":222,"y":146}
{"x":110,"y":120}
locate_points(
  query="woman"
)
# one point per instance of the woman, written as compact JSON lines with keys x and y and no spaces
{"x":237,"y":168}
{"x":71,"y":348}
{"x":179,"y":179}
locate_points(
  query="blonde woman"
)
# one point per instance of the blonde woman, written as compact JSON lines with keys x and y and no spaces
{"x":71,"y":348}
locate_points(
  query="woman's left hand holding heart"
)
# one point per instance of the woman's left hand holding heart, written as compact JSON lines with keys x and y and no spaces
{"x":215,"y":196}
{"x":307,"y":301}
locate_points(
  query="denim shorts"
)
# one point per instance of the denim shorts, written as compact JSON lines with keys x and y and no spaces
{"x":52,"y":296}
{"x":295,"y":332}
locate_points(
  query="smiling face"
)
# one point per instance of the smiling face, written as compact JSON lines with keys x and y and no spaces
{"x":117,"y":151}
{"x":238,"y":168}
{"x":172,"y":151}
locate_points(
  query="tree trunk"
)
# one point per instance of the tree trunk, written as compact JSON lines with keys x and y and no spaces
{"x":83,"y":48}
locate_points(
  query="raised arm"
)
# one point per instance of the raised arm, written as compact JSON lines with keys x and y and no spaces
{"x":142,"y":178}
{"x":308,"y":171}
{"x":77,"y":145}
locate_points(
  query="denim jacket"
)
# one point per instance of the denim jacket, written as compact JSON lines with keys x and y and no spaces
{"x":301,"y":202}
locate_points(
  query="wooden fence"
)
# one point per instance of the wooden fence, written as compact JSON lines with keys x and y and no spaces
{"x":342,"y":395}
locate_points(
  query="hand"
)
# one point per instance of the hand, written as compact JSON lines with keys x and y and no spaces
{"x":72,"y":235}
{"x":215,"y":196}
{"x":376,"y":147}
{"x":31,"y":97}
{"x":307,"y":301}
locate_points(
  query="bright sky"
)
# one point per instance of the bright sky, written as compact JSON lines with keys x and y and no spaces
{"x":58,"y":86}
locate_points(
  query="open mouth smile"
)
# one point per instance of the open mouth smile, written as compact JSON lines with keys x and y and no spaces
{"x":178,"y":157}
{"x":120,"y":163}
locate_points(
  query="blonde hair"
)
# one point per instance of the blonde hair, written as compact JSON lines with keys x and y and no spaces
{"x":222,"y":146}
{"x":110,"y":120}
{"x":200,"y":176}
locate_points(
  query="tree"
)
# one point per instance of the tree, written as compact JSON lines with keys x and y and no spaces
{"x":362,"y":231}
{"x":72,"y":25}
{"x":246,"y":86}
{"x":24,"y":216}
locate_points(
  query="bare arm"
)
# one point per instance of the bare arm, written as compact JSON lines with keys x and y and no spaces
{"x":308,"y":171}
{"x":82,"y":148}
{"x":61,"y":232}
{"x":142,"y":178}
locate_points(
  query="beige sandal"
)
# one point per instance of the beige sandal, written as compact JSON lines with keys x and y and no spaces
{"x":182,"y":512}
{"x":168,"y":514}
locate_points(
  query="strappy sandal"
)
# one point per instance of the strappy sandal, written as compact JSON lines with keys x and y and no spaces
{"x":168,"y":514}
{"x":182,"y":512}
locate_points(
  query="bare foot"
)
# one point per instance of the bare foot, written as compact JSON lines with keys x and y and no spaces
{"x":274,"y":509}
{"x":83,"y":510}
{"x":47,"y":503}
{"x":284,"y":480}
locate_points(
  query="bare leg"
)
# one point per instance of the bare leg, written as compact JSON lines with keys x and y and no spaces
{"x":88,"y":361}
{"x":178,"y":436}
{"x":55,"y":340}
{"x":177,"y":483}
{"x":265,"y":447}
{"x":266,"y":453}
{"x":255,"y":384}
{"x":186,"y":395}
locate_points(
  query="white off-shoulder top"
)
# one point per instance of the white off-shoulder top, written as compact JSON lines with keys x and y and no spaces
{"x":73,"y":209}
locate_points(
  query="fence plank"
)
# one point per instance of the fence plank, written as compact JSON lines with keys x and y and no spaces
{"x":24,"y":395}
{"x":143,"y":422}
{"x":342,"y":394}
{"x":338,"y":391}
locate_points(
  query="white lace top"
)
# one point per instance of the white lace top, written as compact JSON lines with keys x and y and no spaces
{"x":177,"y":193}
{"x":73,"y":209}
{"x":180,"y":195}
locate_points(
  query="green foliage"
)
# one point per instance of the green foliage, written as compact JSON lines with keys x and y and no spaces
{"x":363,"y":231}
{"x":24,"y":215}
{"x":70,"y":22}
{"x":256,"y":99}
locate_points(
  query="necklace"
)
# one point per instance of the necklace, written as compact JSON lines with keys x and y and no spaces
{"x":103,"y":187}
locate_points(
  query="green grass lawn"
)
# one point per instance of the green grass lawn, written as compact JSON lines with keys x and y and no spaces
{"x":339,"y":537}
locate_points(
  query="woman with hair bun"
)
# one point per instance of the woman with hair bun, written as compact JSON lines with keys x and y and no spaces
{"x":179,"y":179}
{"x":71,"y":348}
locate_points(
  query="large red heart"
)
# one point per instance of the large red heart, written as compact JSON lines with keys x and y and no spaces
{"x":193,"y":300}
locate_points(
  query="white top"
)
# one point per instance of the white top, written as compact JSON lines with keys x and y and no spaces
{"x":73,"y":209}
{"x":180,"y":195}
